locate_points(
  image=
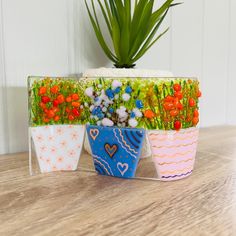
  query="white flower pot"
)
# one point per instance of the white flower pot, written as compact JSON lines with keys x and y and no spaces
{"x":58,"y":147}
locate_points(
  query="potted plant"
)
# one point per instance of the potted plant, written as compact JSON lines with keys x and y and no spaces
{"x":166,"y":107}
{"x":55,"y":118}
{"x":133,"y":30}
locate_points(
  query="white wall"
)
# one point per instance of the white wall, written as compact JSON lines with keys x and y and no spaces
{"x":41,"y":37}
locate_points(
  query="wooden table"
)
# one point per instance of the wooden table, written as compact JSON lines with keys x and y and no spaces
{"x":83,"y":203}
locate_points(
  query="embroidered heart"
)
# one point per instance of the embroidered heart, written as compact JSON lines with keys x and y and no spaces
{"x":122,"y":167}
{"x":111,"y":149}
{"x":94,"y":133}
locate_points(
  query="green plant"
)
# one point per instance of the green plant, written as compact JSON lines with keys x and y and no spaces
{"x":132,"y":30}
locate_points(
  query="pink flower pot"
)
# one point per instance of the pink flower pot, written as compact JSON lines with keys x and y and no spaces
{"x":174,"y":152}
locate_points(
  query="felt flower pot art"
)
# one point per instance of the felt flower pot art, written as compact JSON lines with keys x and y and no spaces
{"x":116,"y":151}
{"x":56,"y":114}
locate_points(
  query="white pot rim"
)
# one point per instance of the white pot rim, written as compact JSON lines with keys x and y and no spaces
{"x":130,"y":73}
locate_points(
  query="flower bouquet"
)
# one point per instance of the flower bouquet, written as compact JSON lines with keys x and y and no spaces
{"x":56,"y":114}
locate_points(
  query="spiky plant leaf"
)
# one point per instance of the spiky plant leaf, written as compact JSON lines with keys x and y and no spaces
{"x":132,"y":34}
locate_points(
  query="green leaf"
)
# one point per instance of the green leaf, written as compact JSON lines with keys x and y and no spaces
{"x":150,"y":37}
{"x":145,"y":17}
{"x":146,"y":49}
{"x":138,"y":10}
{"x":100,"y":36}
{"x":105,"y":15}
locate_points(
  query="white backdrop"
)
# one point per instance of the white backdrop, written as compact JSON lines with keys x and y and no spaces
{"x":54,"y":37}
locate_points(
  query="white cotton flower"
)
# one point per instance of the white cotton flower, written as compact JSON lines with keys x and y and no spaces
{"x":121,"y":109}
{"x":91,"y":107}
{"x":116,"y":97}
{"x":126,"y":97}
{"x":86,"y":104}
{"x":99,"y":122}
{"x":137,"y":112}
{"x":89,"y":91}
{"x":123,"y":116}
{"x":116,"y":84}
{"x":104,"y":109}
{"x":133,"y":123}
{"x":107,"y":122}
{"x":99,"y":86}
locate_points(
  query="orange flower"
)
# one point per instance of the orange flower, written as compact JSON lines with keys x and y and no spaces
{"x":68,"y":99}
{"x":196,"y":113}
{"x":191,"y":102}
{"x":42,"y":105}
{"x":46,"y":120}
{"x":178,"y":95}
{"x":168,"y":106}
{"x":56,"y":118}
{"x":177,"y":87}
{"x":60,"y":98}
{"x":199,"y":94}
{"x":174,"y":112}
{"x":71,"y":117}
{"x":42,"y":90}
{"x":195,"y":120}
{"x":75,"y":97}
{"x":55,"y":89}
{"x":68,"y":110}
{"x":149,"y":114}
{"x":51,"y":114}
{"x":75,"y":104}
{"x":169,"y":98}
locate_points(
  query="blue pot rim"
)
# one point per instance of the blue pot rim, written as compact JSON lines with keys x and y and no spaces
{"x":115,"y":127}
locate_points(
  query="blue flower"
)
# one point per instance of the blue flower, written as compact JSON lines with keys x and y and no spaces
{"x":117,"y":90}
{"x":96,"y":99}
{"x":111,"y":110}
{"x":100,"y":115}
{"x":132,"y":115}
{"x":128,"y":89}
{"x":96,"y":111}
{"x":110,"y":93}
{"x":139,"y":104}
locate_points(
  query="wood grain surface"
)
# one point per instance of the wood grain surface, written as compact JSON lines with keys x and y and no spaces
{"x":84,"y":203}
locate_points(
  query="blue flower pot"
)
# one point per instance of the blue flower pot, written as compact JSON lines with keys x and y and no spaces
{"x":116,"y":151}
